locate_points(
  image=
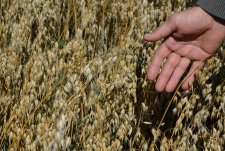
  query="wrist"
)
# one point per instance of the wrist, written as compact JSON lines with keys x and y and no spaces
{"x":219,"y":25}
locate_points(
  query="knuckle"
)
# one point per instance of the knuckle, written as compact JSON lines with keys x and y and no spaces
{"x":184,"y":63}
{"x":173,"y":17}
{"x":173,"y":59}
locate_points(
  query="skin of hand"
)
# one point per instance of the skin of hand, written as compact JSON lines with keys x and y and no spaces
{"x":190,"y":35}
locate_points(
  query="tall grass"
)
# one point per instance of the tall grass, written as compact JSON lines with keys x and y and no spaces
{"x":73,"y":77}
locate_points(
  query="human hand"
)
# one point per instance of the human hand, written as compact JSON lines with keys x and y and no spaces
{"x":190,"y":35}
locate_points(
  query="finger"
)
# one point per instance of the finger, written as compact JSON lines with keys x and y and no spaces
{"x":167,"y":28}
{"x":173,"y":44}
{"x":186,"y":50}
{"x":167,"y":71}
{"x":177,"y":74}
{"x":188,"y":82}
{"x":189,"y":79}
{"x":161,"y":53}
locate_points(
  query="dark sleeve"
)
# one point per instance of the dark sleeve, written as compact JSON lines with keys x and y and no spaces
{"x":213,"y":7}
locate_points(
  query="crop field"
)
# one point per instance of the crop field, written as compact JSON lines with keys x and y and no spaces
{"x":73,"y":77}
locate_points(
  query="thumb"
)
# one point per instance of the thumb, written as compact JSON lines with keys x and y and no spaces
{"x":164,"y":30}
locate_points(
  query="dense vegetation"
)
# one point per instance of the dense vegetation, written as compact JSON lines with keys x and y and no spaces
{"x":73,"y":77}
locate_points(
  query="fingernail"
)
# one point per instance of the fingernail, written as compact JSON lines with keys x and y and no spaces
{"x":146,"y":36}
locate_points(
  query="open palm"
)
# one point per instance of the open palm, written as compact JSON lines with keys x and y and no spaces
{"x":189,"y":36}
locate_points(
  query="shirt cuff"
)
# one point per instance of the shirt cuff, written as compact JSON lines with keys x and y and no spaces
{"x":213,"y":7}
